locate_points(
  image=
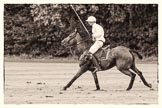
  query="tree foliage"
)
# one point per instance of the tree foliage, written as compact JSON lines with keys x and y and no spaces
{"x":37,"y":29}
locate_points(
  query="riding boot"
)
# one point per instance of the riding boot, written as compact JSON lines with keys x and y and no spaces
{"x":95,"y":62}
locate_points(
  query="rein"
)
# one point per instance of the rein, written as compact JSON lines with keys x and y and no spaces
{"x":82,"y":41}
{"x":78,"y":43}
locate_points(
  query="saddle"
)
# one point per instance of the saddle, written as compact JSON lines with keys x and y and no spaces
{"x":103,"y":53}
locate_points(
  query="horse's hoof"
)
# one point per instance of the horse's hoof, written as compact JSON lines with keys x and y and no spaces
{"x":150,"y":85}
{"x":152,"y":89}
{"x":98,"y":89}
{"x":128,"y":89}
{"x":64,"y":88}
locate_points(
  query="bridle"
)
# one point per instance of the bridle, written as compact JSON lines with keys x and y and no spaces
{"x":78,"y":43}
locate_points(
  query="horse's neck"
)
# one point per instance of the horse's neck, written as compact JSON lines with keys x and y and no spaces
{"x":82,"y":47}
{"x":83,"y":44}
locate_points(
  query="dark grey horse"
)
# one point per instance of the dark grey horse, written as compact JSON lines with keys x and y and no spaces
{"x":120,"y":56}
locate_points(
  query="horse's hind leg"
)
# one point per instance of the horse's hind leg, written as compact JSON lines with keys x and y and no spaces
{"x":132,"y":75}
{"x":134,"y":68}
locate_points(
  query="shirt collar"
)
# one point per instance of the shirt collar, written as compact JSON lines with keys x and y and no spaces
{"x":93,"y":24}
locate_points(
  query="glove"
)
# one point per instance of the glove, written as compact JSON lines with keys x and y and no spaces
{"x":88,"y":56}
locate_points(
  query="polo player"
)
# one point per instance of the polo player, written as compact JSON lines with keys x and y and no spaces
{"x":98,"y":38}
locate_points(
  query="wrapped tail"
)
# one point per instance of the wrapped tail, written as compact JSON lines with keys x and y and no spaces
{"x":138,"y":54}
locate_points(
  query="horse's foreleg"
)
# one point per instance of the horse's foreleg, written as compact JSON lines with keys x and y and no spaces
{"x":79,"y":73}
{"x":96,"y":80}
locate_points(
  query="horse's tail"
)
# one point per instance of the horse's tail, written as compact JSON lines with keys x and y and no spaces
{"x":138,"y":54}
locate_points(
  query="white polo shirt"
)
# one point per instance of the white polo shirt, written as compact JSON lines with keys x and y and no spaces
{"x":98,"y":32}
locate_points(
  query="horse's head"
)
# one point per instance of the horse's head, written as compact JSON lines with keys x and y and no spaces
{"x":71,"y":39}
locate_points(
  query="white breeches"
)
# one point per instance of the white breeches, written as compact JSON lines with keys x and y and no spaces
{"x":95,"y":46}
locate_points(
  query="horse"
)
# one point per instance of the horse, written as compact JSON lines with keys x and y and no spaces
{"x":121,"y":57}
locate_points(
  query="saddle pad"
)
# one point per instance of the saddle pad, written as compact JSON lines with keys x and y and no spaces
{"x":105,"y":54}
